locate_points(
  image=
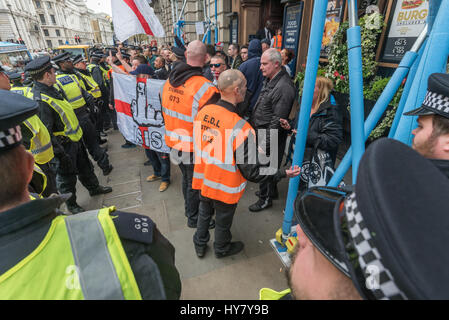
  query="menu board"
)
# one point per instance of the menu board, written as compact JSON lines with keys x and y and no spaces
{"x":406,"y":22}
{"x":292,"y":29}
{"x":234,"y":29}
{"x":334,"y":15}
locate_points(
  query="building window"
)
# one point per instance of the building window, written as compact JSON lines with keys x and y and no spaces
{"x":49,"y":5}
{"x":36,"y":28}
{"x":53,"y":19}
{"x":49,"y":44}
{"x":38,"y":4}
{"x":58,"y":33}
{"x":42,"y":17}
{"x":46,"y":33}
{"x":60,"y":42}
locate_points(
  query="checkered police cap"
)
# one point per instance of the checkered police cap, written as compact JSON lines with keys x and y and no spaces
{"x":378,"y":278}
{"x":10,"y":137}
{"x":437,"y":97}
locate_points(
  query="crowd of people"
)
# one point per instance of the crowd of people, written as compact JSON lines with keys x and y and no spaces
{"x":227,"y":118}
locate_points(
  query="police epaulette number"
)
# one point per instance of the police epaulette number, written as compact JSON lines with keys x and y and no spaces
{"x":133,"y":226}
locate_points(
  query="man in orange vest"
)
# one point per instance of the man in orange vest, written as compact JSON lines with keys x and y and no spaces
{"x":276,"y":41}
{"x":225,"y":158}
{"x":185,"y":92}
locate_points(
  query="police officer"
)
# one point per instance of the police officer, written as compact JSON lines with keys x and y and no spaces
{"x":431,"y":137}
{"x":83,"y":104}
{"x":62,"y":124}
{"x":99,"y":74}
{"x":36,"y":140}
{"x":225,"y":158}
{"x":185,"y":92}
{"x":92,"y":87}
{"x":101,"y":254}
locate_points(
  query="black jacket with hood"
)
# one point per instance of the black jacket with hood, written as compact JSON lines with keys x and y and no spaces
{"x":251,"y":70}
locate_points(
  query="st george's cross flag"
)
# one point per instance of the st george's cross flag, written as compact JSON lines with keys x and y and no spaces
{"x":139,"y":111}
{"x":131,"y":17}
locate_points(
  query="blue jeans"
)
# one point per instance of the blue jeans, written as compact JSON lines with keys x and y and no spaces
{"x":160,"y":162}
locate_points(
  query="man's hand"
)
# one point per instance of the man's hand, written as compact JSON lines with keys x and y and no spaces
{"x":111,"y":107}
{"x":119,"y":55}
{"x":109,"y":59}
{"x":284,"y":124}
{"x":294,"y":172}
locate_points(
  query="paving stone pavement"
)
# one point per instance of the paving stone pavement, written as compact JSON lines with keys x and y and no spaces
{"x":236,"y":277}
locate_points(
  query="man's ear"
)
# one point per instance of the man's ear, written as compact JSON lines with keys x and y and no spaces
{"x":29,"y":162}
{"x":444,"y":140}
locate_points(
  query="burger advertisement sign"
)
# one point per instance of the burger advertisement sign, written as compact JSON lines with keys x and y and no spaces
{"x":406,"y":23}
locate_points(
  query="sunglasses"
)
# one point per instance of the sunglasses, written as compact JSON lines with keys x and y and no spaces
{"x":216,"y":65}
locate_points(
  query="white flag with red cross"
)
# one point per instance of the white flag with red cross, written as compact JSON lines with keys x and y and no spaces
{"x":132,"y":17}
{"x":139,"y":111}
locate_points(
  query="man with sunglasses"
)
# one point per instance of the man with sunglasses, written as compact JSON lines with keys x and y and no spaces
{"x":217,"y":66}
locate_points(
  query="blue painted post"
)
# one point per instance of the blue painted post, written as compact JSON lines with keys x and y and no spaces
{"x":355,"y":88}
{"x":216,"y":23}
{"x":381,"y":105}
{"x":313,"y":56}
{"x":405,"y":93}
{"x":433,"y":60}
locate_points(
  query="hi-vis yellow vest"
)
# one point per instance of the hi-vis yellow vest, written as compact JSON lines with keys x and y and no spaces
{"x":72,"y":128}
{"x":39,"y":173}
{"x":104,"y":72}
{"x":69,"y":265}
{"x":94,"y":87}
{"x":41,"y":147}
{"x":24,"y":91}
{"x":70,"y":84}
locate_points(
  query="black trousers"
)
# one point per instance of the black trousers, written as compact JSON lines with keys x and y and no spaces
{"x":51,"y":179}
{"x":90,"y":139}
{"x":269,"y":188}
{"x":191,"y":196}
{"x":224,"y":215}
{"x":81,"y":168}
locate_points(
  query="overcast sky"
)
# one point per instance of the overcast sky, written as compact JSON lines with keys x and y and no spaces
{"x":100,"y":6}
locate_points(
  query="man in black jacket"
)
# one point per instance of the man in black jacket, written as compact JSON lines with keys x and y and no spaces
{"x":27,"y":227}
{"x":274,"y":103}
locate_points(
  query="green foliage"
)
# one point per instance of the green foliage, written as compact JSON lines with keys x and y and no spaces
{"x":373,"y":92}
{"x":338,"y":69}
{"x":299,"y":79}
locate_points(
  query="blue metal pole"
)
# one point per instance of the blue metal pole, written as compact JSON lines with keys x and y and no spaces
{"x":355,"y":88}
{"x":376,"y":113}
{"x":409,"y":60}
{"x":405,"y":93}
{"x":313,"y":56}
{"x":433,"y":60}
{"x":216,"y":23}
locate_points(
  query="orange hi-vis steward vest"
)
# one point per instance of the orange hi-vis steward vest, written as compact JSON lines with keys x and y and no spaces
{"x":217,"y":134}
{"x":180,"y":105}
{"x":277,"y":44}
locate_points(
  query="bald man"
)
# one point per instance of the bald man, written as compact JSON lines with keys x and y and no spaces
{"x":225,"y":158}
{"x":183,"y":95}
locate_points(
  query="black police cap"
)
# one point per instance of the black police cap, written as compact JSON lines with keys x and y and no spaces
{"x":14,"y":109}
{"x":62,"y":57}
{"x":38,"y":65}
{"x":391,"y":233}
{"x":14,"y":76}
{"x":78,"y":59}
{"x":437,"y":97}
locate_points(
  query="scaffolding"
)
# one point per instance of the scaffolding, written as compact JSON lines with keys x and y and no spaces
{"x":179,"y":22}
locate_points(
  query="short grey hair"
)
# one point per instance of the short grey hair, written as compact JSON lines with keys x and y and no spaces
{"x":274,"y":56}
